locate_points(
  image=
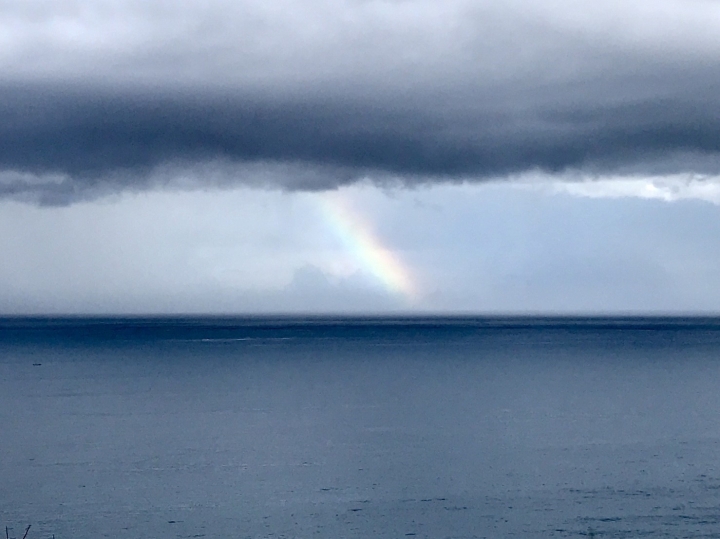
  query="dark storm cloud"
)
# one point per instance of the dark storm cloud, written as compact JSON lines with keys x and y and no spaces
{"x":585,"y":100}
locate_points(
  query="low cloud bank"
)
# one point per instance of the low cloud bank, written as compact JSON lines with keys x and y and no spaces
{"x":100,"y":97}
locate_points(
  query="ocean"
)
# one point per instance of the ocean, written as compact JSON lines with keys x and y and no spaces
{"x":311,"y":427}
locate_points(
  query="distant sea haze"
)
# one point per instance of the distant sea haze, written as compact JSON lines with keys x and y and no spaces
{"x":325,"y":427}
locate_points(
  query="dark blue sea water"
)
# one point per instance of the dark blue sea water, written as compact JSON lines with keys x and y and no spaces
{"x":360,"y":428}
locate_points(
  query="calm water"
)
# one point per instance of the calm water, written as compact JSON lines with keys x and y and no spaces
{"x":417,"y":428}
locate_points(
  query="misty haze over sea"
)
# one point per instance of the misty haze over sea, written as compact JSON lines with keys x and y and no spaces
{"x":360,"y":427}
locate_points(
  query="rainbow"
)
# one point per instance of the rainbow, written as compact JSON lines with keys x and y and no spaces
{"x":367,"y":249}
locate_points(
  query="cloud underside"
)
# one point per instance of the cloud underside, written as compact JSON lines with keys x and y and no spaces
{"x":312,"y":95}
{"x":74,"y":142}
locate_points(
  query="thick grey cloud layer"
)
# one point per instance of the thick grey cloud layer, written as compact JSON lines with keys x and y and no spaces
{"x":108,"y":95}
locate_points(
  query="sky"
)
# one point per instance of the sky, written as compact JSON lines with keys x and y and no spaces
{"x":359,"y":156}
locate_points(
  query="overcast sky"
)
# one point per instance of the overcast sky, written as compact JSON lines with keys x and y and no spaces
{"x":359,"y":156}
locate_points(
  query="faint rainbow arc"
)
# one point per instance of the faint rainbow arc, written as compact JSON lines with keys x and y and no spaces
{"x":357,"y":237}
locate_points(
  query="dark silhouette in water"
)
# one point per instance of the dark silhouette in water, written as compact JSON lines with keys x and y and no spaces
{"x":27,"y":530}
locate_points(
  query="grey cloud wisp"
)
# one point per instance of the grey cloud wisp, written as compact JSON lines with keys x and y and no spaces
{"x":104,"y":96}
